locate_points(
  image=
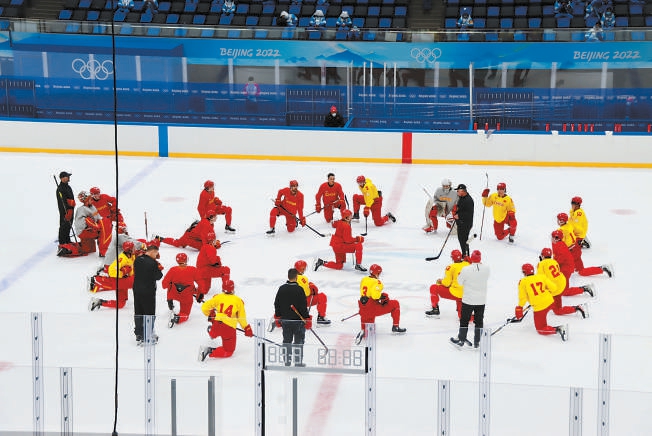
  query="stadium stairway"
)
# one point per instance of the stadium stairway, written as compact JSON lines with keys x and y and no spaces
{"x":44,"y":9}
{"x":425,"y":14}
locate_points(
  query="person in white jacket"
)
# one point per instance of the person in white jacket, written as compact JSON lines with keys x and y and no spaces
{"x":474,"y":279}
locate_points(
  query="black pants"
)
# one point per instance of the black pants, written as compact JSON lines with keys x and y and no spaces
{"x":463,"y":237}
{"x":64,"y":230}
{"x":144,"y":304}
{"x":478,"y":320}
{"x":294,"y":332}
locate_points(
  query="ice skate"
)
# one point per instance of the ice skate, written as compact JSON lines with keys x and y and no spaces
{"x":318,"y":263}
{"x":608,"y":269}
{"x":359,"y":337}
{"x":272,"y":325}
{"x":94,"y":304}
{"x":398,"y":330}
{"x":586,"y":244}
{"x":461,"y":345}
{"x":360,"y":268}
{"x":139,"y":341}
{"x":583,"y":310}
{"x":511,"y":239}
{"x":91,"y":283}
{"x":589,"y":289}
{"x":356,"y":217}
{"x":271,"y":232}
{"x":563,"y":331}
{"x":204,"y":352}
{"x":430,"y":230}
{"x":433,"y":313}
{"x":229,"y":229}
{"x":322,"y":320}
{"x":391,"y":217}
{"x":174,"y":319}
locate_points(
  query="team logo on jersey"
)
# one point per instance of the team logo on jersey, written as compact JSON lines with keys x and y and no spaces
{"x":425,"y":55}
{"x":92,"y":69}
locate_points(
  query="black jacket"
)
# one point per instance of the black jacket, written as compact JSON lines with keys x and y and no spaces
{"x":146,"y":273}
{"x":465,"y":212}
{"x":290,"y":294}
{"x":333,"y":121}
{"x":64,"y":193}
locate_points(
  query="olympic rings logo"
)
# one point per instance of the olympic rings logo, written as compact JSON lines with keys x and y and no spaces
{"x":93,"y":69}
{"x":423,"y":55}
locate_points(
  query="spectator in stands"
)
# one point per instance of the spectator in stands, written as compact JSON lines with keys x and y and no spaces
{"x":251,"y":92}
{"x":563,"y":8}
{"x":323,"y":5}
{"x":333,"y":118}
{"x":344,"y":22}
{"x":151,"y":6}
{"x":465,"y":21}
{"x":286,"y":20}
{"x":228,"y":7}
{"x":595,"y":8}
{"x":354,"y":34}
{"x":595,"y":33}
{"x":125,"y":5}
{"x":317,"y":20}
{"x":608,"y":19}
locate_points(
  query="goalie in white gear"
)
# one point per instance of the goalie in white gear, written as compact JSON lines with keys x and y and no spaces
{"x":440,"y":205}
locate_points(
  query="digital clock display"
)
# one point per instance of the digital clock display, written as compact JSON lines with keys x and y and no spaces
{"x":316,"y":358}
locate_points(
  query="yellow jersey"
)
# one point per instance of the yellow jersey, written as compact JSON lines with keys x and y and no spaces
{"x":371,"y":287}
{"x":550,"y":268}
{"x":229,"y":309}
{"x":450,"y":278}
{"x":569,"y":234}
{"x":535,"y":289}
{"x":580,"y":223}
{"x":124,"y":260}
{"x":369,"y":192}
{"x":501,"y":206}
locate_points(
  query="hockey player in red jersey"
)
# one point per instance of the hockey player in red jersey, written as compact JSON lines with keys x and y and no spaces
{"x":331,"y":195}
{"x":105,"y":205}
{"x":180,"y":283}
{"x":121,"y":276}
{"x":225,"y":311}
{"x":374,"y":302}
{"x":289,"y":203}
{"x":564,"y":260}
{"x":209,"y":265}
{"x":195,"y":235}
{"x":576,"y":250}
{"x":549,"y":268}
{"x":313,"y":296}
{"x":372,"y":201}
{"x":342,"y":243}
{"x":208,"y":200}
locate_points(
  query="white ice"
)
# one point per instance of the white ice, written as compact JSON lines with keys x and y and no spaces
{"x":531,"y":374}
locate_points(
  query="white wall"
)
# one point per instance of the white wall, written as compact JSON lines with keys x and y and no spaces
{"x":571,"y":149}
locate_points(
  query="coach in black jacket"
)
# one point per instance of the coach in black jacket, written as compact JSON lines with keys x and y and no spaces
{"x":147,"y":271}
{"x":463,"y":218}
{"x":288,"y":296}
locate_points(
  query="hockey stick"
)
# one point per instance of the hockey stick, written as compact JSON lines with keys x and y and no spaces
{"x":313,"y":332}
{"x":483,"y":207}
{"x":365,"y":226}
{"x":512,"y":320}
{"x":428,"y":259}
{"x":261,"y":338}
{"x":299,"y":221}
{"x":427,"y":193}
{"x":325,"y":206}
{"x":146,"y":232}
{"x":350,"y":316}
{"x":346,"y":200}
{"x":74,"y":235}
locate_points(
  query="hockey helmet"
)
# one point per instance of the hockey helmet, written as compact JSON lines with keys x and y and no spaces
{"x":182,"y":258}
{"x":375,"y":269}
{"x":456,"y":255}
{"x":527,"y":269}
{"x":300,"y":266}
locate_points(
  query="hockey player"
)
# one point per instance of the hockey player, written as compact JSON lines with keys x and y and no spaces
{"x":535,"y":289}
{"x":224,"y":311}
{"x":440,"y":205}
{"x":208,"y":200}
{"x":503,"y":210}
{"x":372,"y":200}
{"x":195,"y":235}
{"x":580,"y":222}
{"x":180,"y":283}
{"x":105,"y":205}
{"x":448,"y":287}
{"x":209,"y":265}
{"x":576,"y":251}
{"x":313,"y":296}
{"x":90,"y":227}
{"x":331,"y":195}
{"x":121,"y":276}
{"x":342,"y":243}
{"x":550,"y":269}
{"x":123,"y":236}
{"x":473,"y":279}
{"x":562,"y":263}
{"x":289,"y":203}
{"x":374,"y":302}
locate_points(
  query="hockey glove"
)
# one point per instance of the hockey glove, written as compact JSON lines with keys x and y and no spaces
{"x":160,"y":267}
{"x":365,"y":212}
{"x":318,"y":208}
{"x":71,"y":202}
{"x":518,"y":312}
{"x":363,"y":300}
{"x":384,"y":299}
{"x":485,"y":193}
{"x":277,"y":321}
{"x":171,"y":304}
{"x":302,"y":221}
{"x":217,"y":201}
{"x":211,"y":315}
{"x":359,"y":239}
{"x":308,"y":323}
{"x":248,"y":332}
{"x":313,"y":288}
{"x":217,"y":244}
{"x":125,"y":271}
{"x":277,"y":202}
{"x":68,"y":216}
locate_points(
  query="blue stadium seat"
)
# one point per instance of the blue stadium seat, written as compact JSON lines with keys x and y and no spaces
{"x":295,"y":9}
{"x":126,"y":29}
{"x":520,"y":36}
{"x":225,"y":20}
{"x":563,"y":22}
{"x":199,"y":19}
{"x":260,"y":34}
{"x":153,"y":31}
{"x":369,"y":36}
{"x":373,"y":11}
{"x":251,"y":21}
{"x":73,"y":28}
{"x":385,"y":23}
{"x":463,"y":36}
{"x":242,"y":9}
{"x":491,"y":36}
{"x":341,"y":35}
{"x":233,"y":33}
{"x":164,"y":6}
{"x":548,"y":11}
{"x":506,"y":23}
{"x":549,"y":35}
{"x":207,"y":33}
{"x":493,"y":11}
{"x":314,"y":35}
{"x":450,"y":23}
{"x":635,"y":9}
{"x":400,"y":11}
{"x":520,"y":11}
{"x":648,"y":21}
{"x":287,"y":34}
{"x":119,"y":16}
{"x":609,"y":36}
{"x":534,"y":23}
{"x":190,"y":7}
{"x":98,"y":29}
{"x":479,"y":23}
{"x":590,"y":22}
{"x":84,"y":4}
{"x":578,"y":9}
{"x":638,"y":36}
{"x":331,"y":22}
{"x":359,"y":22}
{"x":622,"y":21}
{"x":92,"y":15}
{"x":304,"y":21}
{"x":172,"y":19}
{"x":146,"y":18}
{"x":577,"y":36}
{"x":65,"y":14}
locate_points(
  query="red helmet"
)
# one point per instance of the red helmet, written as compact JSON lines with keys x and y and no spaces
{"x":375,"y":269}
{"x":476,"y":256}
{"x":300,"y":265}
{"x":122,"y":228}
{"x":95,"y":190}
{"x":294,"y":183}
{"x":210,"y":213}
{"x":333,"y":109}
{"x":210,"y":236}
{"x":527,"y":269}
{"x":557,"y":234}
{"x":546,"y":253}
{"x":128,"y":246}
{"x":576,"y":200}
{"x":361,"y":179}
{"x":562,"y":217}
{"x":346,"y":213}
{"x":228,"y":287}
{"x":456,"y":255}
{"x":500,"y":186}
{"x":208,"y":184}
{"x":182,"y":258}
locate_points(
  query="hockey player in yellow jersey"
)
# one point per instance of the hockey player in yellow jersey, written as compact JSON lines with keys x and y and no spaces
{"x":313,"y":296}
{"x":580,"y":223}
{"x":504,"y":211}
{"x":448,"y":287}
{"x":549,"y":268}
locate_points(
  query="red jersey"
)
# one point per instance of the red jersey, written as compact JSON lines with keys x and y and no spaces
{"x":181,"y":276}
{"x":202,"y":229}
{"x":207,"y":258}
{"x":105,"y":205}
{"x":293,"y":203}
{"x":563,"y":256}
{"x":342,"y":234}
{"x":207,"y":200}
{"x":329,"y":194}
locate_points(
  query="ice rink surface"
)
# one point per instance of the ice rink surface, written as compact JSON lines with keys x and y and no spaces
{"x":528,"y":370}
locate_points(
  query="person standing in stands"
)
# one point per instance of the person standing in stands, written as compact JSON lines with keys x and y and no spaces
{"x":251,"y":92}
